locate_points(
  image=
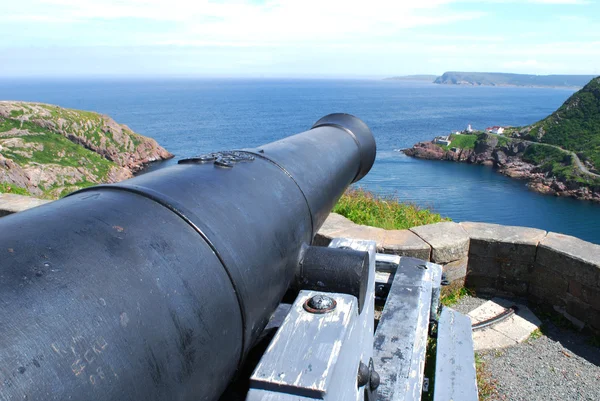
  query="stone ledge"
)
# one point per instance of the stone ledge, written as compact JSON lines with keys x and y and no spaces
{"x":406,"y":243}
{"x":503,"y":241}
{"x":448,"y":241}
{"x":395,"y":242}
{"x":571,"y":257}
{"x":11,"y":203}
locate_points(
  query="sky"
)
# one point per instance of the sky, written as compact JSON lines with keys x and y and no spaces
{"x":296,"y":38}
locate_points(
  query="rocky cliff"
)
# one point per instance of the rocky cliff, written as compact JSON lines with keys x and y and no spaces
{"x":48,"y":151}
{"x":514,"y":158}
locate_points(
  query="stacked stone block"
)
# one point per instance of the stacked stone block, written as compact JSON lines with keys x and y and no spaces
{"x":553,"y":270}
{"x":501,"y":258}
{"x":449,"y":244}
{"x":567,"y":276}
{"x":394,"y":242}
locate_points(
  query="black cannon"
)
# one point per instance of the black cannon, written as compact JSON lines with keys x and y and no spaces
{"x":156,"y":288}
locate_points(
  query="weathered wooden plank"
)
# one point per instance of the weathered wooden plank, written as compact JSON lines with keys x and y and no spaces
{"x":401,"y":337}
{"x":301,"y":355}
{"x":455,"y":377}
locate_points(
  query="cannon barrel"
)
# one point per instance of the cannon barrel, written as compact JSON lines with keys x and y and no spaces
{"x":157,"y":287}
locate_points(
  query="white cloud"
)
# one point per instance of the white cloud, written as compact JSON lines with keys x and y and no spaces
{"x":204,"y":21}
{"x":368,"y":35}
{"x":560,"y":1}
{"x":188,"y":10}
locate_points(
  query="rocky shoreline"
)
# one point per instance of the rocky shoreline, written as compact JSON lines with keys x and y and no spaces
{"x":47,"y":151}
{"x":508,"y":160}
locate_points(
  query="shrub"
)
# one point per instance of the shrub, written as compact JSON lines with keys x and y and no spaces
{"x":363,"y":207}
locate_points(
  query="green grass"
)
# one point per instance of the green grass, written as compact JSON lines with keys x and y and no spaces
{"x":13,"y":189}
{"x":58,"y":150}
{"x":468,"y":141}
{"x":452,"y":297}
{"x":540,"y":154}
{"x":537,"y":333}
{"x":575,"y":126}
{"x":7,"y":124}
{"x":363,"y":207}
{"x":560,"y":164}
{"x":502,"y":140}
{"x":486,"y":385}
{"x":463,"y":141}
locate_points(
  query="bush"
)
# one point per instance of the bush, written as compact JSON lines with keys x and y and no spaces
{"x":386,"y":212}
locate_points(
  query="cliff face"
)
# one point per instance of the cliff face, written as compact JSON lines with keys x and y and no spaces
{"x":512,"y":158}
{"x":48,"y":151}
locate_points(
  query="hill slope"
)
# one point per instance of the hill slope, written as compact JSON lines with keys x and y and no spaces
{"x":575,"y":126}
{"x":48,"y":151}
{"x":505,"y":79}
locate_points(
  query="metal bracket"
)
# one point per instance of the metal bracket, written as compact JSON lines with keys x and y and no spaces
{"x":316,"y":355}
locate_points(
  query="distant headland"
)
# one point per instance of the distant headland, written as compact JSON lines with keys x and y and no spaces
{"x":558,"y":155}
{"x":501,"y":79}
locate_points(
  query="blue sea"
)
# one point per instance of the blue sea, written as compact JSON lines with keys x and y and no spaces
{"x":190,"y":117}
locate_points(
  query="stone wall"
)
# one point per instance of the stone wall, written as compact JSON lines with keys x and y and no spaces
{"x":446,"y":243}
{"x":552,"y":270}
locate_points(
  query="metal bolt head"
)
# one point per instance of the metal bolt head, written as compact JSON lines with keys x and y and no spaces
{"x":320,"y":304}
{"x":374,"y":380}
{"x":363,"y":375}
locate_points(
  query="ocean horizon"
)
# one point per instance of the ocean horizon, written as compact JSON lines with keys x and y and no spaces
{"x":194,"y":116}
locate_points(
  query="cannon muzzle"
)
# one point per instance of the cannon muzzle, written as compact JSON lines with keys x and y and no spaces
{"x":157,"y":287}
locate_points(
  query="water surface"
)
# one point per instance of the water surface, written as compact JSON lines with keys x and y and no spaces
{"x":190,"y":117}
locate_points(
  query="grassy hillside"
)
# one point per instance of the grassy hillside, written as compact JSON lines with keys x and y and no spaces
{"x":468,"y":141}
{"x":575,"y":126}
{"x":559,"y":164}
{"x":49,"y":151}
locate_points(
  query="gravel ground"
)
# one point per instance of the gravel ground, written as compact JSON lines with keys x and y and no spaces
{"x":560,"y":365}
{"x":468,"y":303}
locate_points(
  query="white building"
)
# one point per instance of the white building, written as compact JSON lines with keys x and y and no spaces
{"x":469,"y":128}
{"x":442,"y":140}
{"x":495,"y":130}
